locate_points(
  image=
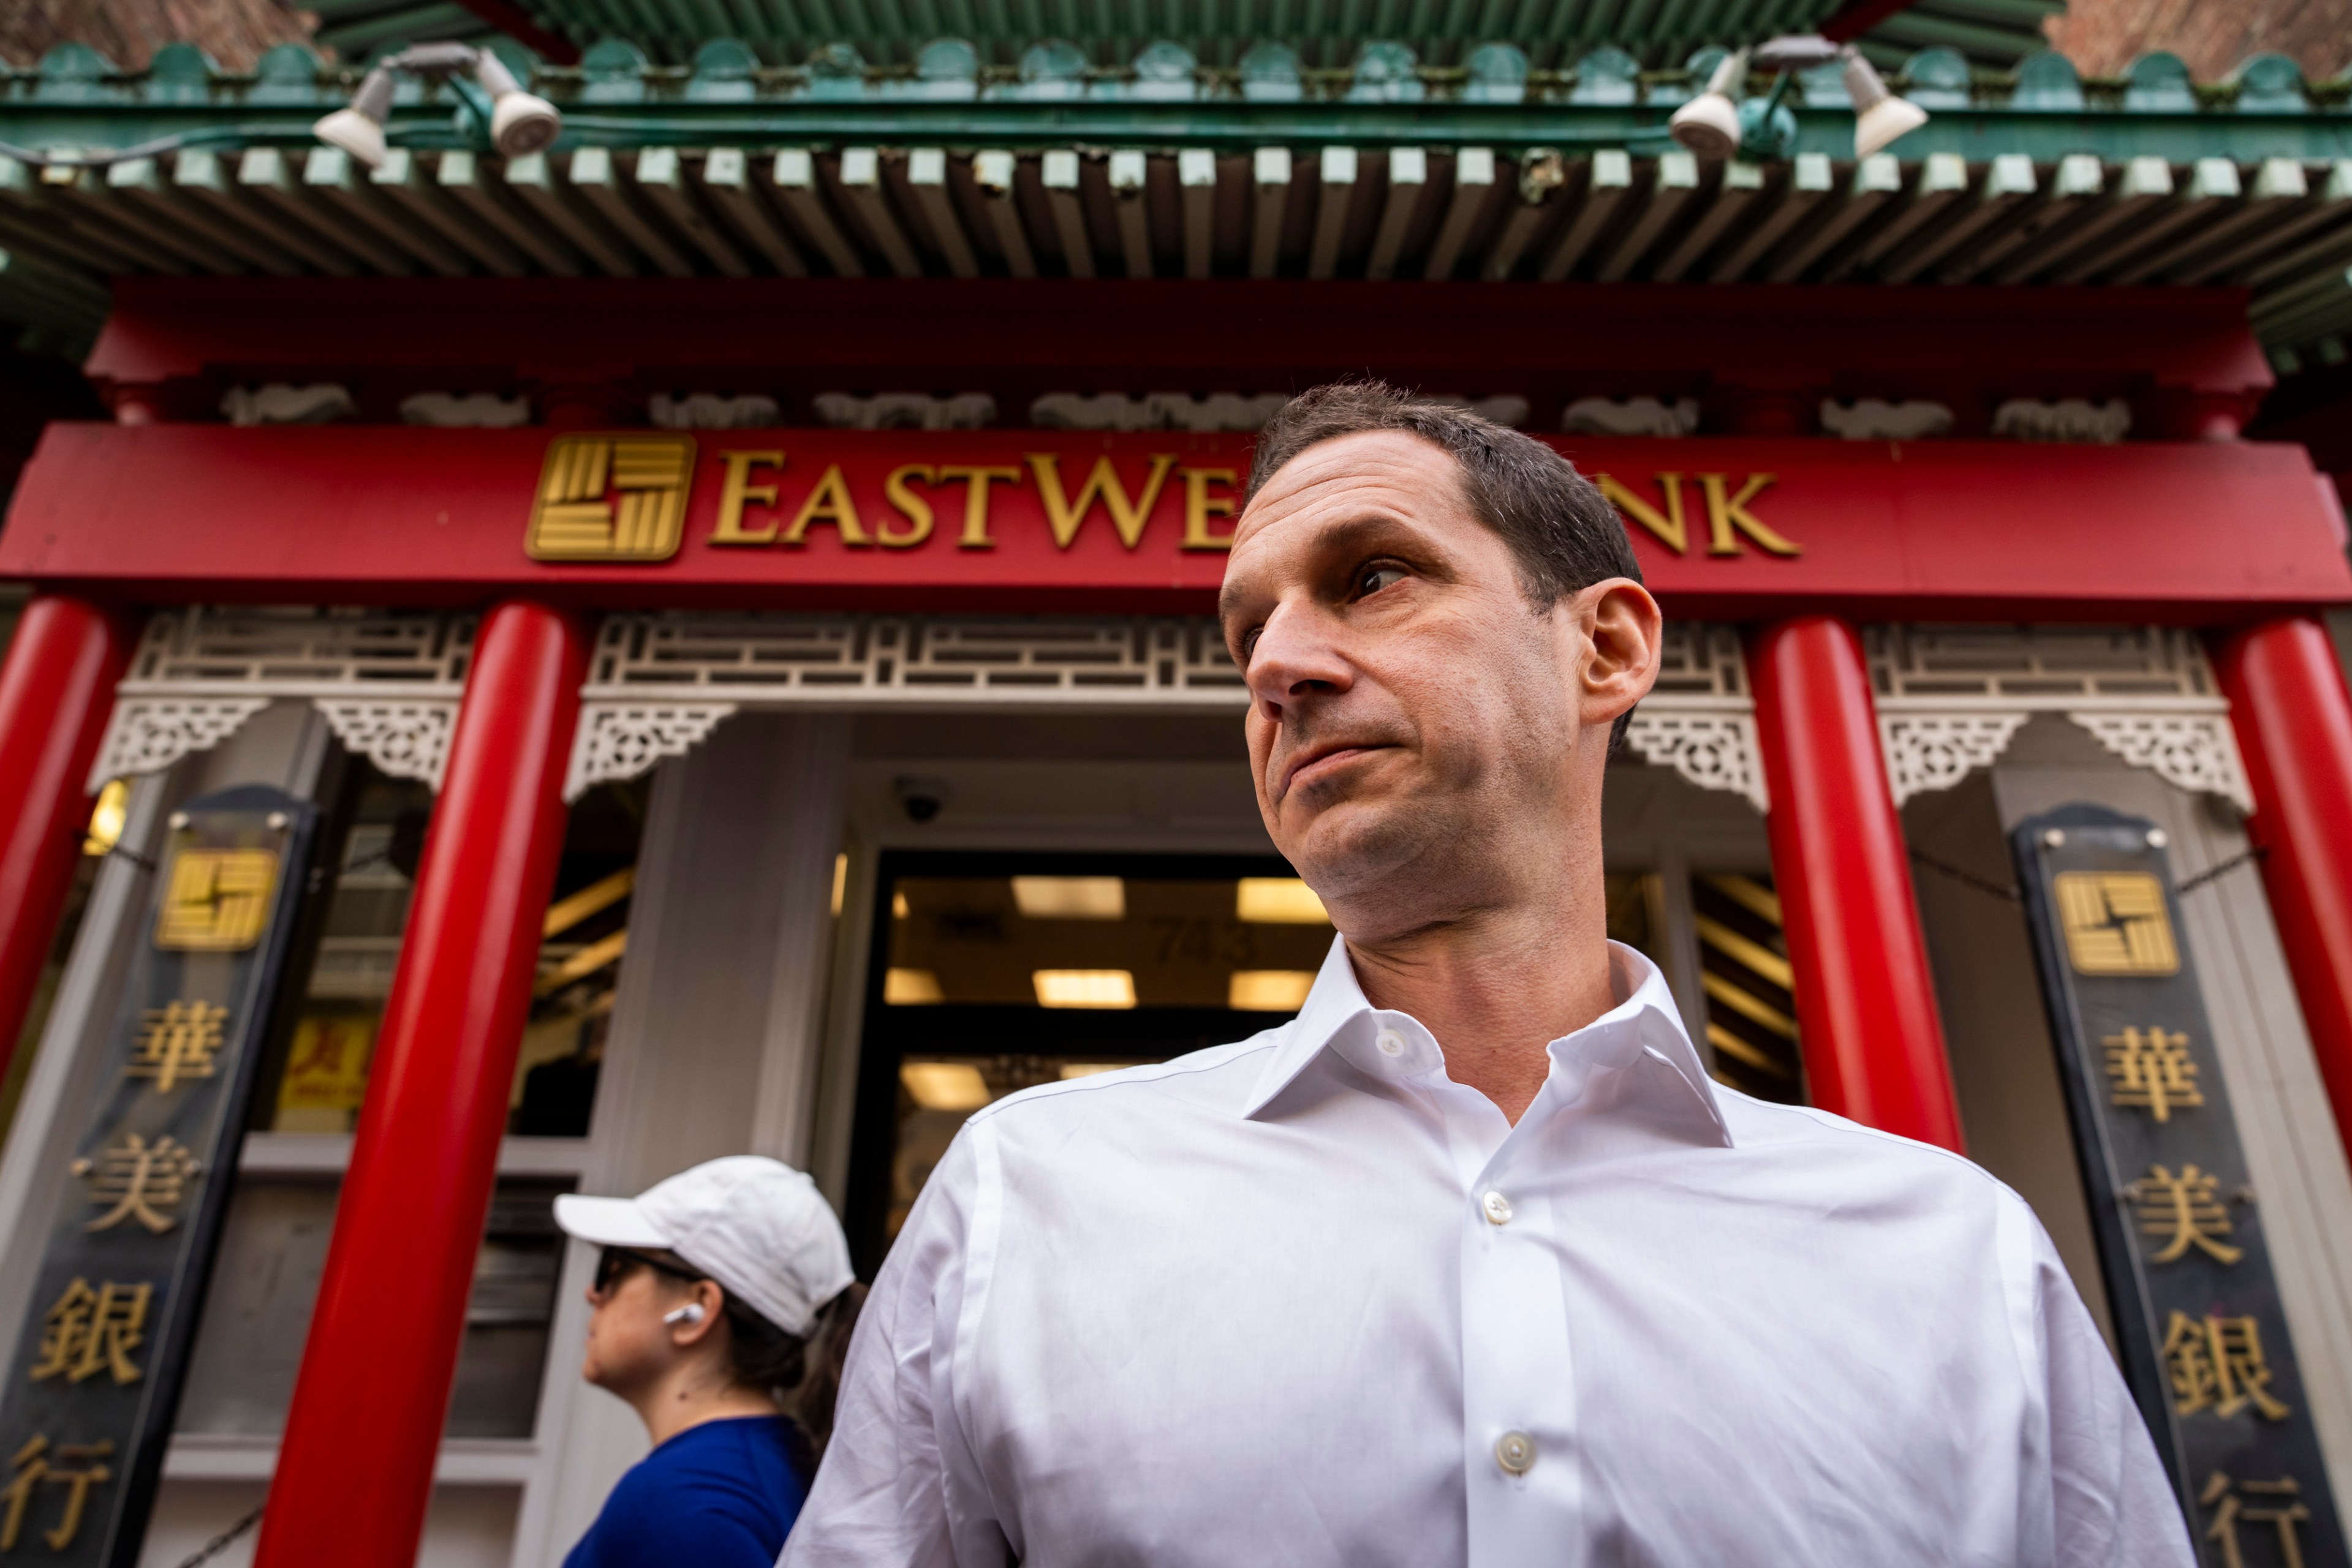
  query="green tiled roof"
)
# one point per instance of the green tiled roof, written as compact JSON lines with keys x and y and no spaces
{"x":1995,"y":33}
{"x":1163,"y":165}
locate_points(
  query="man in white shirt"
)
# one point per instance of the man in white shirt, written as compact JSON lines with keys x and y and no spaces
{"x":1470,"y":1262}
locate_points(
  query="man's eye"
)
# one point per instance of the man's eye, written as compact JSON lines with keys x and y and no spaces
{"x":1249,"y":644}
{"x":1373,"y":578}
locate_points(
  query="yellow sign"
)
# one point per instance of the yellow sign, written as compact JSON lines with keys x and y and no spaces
{"x":611,"y":497}
{"x":2217,"y":1364}
{"x":90,"y":1332}
{"x":2116,"y":923}
{"x":217,"y":900}
{"x":2286,"y":1515}
{"x":326,"y":1072}
{"x":1728,"y":516}
{"x":39,"y":1464}
{"x":2183,"y":1211}
{"x":178,"y":1041}
{"x":141,"y":1179}
{"x":2153,"y":1072}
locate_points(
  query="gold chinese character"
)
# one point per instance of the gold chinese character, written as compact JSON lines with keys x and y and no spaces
{"x":2218,"y":1365}
{"x":611,"y":497}
{"x":2116,"y":923}
{"x":2152,"y":1071}
{"x":90,"y":1332}
{"x":37,"y":1463}
{"x":217,"y":900}
{"x":177,"y":1041}
{"x":2185,"y":1211}
{"x":2224,"y":1528}
{"x":139,"y":1179}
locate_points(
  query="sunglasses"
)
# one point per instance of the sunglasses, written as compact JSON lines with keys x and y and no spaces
{"x":613,"y":1266}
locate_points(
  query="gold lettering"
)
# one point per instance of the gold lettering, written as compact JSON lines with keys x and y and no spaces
{"x":975,"y":500}
{"x":916,"y":508}
{"x":1127,"y":517}
{"x":738,"y":490}
{"x":1723,"y":514}
{"x":1200,"y":506}
{"x":1667,"y":525}
{"x":829,"y":503}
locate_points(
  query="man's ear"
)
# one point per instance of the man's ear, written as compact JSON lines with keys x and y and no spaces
{"x":1624,"y":629}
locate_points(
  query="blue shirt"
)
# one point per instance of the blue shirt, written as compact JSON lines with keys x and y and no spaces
{"x":720,"y":1495}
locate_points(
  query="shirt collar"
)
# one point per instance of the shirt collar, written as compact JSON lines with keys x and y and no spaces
{"x":1644,"y":1022}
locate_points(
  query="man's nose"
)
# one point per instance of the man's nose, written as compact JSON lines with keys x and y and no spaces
{"x":1297,"y":656}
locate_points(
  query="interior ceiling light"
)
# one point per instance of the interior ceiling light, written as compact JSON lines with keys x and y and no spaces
{"x":911,"y":988}
{"x":945,"y":1085}
{"x":1083,"y":987}
{"x":1269,"y":990}
{"x":1278,"y":900}
{"x":1070,"y":897}
{"x":520,"y":123}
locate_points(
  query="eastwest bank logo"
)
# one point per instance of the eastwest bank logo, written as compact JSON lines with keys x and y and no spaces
{"x":621,"y":498}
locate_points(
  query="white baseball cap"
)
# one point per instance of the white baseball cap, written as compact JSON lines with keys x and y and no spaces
{"x":755,"y":1225}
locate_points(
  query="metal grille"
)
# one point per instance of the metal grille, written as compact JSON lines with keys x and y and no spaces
{"x":1751,"y":1014}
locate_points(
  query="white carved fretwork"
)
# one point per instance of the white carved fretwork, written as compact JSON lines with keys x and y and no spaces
{"x":294,"y":652}
{"x":2196,"y":751}
{"x":621,"y":740}
{"x":797,"y":661}
{"x":147,"y":734}
{"x":408,"y":739}
{"x":1935,"y":751}
{"x":1699,"y":719}
{"x":657,"y":682}
{"x":1714,"y":751}
{"x":387,"y":681}
{"x":1951,"y":697}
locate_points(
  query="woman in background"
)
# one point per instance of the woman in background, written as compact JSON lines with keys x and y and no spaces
{"x":723,"y":1304}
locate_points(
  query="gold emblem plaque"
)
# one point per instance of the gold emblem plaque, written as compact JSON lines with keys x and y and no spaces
{"x":611,"y":497}
{"x":2116,"y":923}
{"x":218,"y":900}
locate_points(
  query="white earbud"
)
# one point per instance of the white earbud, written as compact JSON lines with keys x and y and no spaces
{"x":690,"y":1313}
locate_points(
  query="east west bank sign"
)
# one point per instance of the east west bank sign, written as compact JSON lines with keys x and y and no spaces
{"x":1037,"y":520}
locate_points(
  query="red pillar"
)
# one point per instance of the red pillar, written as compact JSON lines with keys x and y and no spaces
{"x":356,"y":1471}
{"x":2294,"y":721}
{"x":57,"y":690}
{"x":1865,"y":1001}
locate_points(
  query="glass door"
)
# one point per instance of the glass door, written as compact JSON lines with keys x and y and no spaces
{"x":996,"y":972}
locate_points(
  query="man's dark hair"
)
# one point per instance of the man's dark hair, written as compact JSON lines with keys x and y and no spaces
{"x":1563,"y":534}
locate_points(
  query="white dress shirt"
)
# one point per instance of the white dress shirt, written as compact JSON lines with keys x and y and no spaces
{"x":1306,"y":1299}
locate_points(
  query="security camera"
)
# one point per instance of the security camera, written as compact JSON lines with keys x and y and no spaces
{"x":920,"y":798}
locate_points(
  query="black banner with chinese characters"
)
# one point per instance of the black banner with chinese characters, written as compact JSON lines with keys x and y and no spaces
{"x":2197,"y":1315}
{"x":87,"y":1408}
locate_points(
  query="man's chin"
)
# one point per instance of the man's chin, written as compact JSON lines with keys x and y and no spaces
{"x":1350,"y":848}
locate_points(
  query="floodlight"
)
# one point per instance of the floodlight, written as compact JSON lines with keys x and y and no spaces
{"x":1709,"y":124}
{"x":1797,"y":52}
{"x":520,"y":123}
{"x":359,"y":130}
{"x":1880,"y":117}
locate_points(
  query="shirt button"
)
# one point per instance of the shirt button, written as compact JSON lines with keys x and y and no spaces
{"x":1497,"y":1208}
{"x":1390,"y":1042}
{"x":1515,"y":1452}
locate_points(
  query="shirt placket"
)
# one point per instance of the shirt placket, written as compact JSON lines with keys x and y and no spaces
{"x":1521,"y":1466}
